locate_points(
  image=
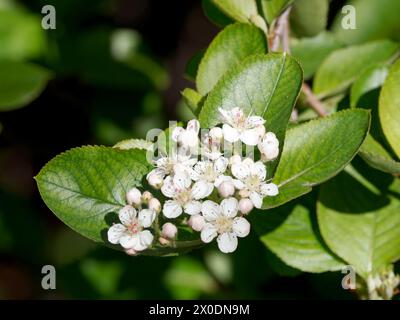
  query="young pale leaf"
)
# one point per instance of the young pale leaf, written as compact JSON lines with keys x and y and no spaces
{"x":360,"y":221}
{"x":271,"y":9}
{"x":372,"y":20}
{"x":20,"y":84}
{"x":310,"y":52}
{"x":231,"y":46}
{"x":342,"y":67}
{"x":316,"y":151}
{"x":239,"y":10}
{"x":264,"y":85}
{"x":84,"y":187}
{"x":389,"y":108}
{"x":377,"y":157}
{"x":370,"y":79}
{"x":290,"y":232}
{"x":309,"y":17}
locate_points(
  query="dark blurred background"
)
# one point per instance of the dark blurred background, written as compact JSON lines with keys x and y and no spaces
{"x":117,"y":70}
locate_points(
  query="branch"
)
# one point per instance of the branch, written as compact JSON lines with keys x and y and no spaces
{"x":314,"y":102}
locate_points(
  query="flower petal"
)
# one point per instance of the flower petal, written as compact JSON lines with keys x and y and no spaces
{"x":238,"y":184}
{"x":208,"y":233}
{"x":240,"y":170}
{"x":176,"y":133}
{"x":250,"y":137}
{"x":201,"y":189}
{"x":269,"y":189}
{"x":220,"y":165}
{"x":259,"y":170}
{"x":255,"y":121}
{"x":193,"y":207}
{"x":226,"y":115}
{"x":181,"y":181}
{"x":241,"y":227}
{"x":193,"y":125}
{"x":129,"y":241}
{"x":229,"y":207}
{"x":230,"y":134}
{"x":172,"y":209}
{"x":145,"y":240}
{"x":211,"y":210}
{"x":115,"y":232}
{"x":227,"y":242}
{"x":222,"y":178}
{"x":168,"y":188}
{"x":257,"y":199}
{"x":146,"y":217}
{"x":127,"y":215}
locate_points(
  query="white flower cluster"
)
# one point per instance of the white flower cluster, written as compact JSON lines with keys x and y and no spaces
{"x":214,"y":190}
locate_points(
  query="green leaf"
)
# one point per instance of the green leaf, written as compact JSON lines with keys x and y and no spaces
{"x":372,"y":78}
{"x":291,"y":233}
{"x":20,"y":84}
{"x":389,"y":108}
{"x":239,"y":10}
{"x":214,"y":14}
{"x":310,"y":52}
{"x":309,"y":17}
{"x":133,"y":144}
{"x":360,"y":221}
{"x":374,"y":20}
{"x":342,"y":67}
{"x":316,"y":151}
{"x":192,"y":65}
{"x":21,"y":35}
{"x":85,"y":186}
{"x":271,"y":9}
{"x":377,"y":157}
{"x":231,"y":46}
{"x":193,"y":99}
{"x":264,"y":85}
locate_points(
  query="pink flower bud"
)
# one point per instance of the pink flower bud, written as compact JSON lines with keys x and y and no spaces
{"x":169,"y":230}
{"x":245,"y":206}
{"x":154,"y":204}
{"x":134,"y":197}
{"x":226,"y":189}
{"x":196,"y":222}
{"x":155,"y":180}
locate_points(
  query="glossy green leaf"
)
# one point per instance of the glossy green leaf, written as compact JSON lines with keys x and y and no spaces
{"x":389,"y":108}
{"x":360,"y":221}
{"x":214,"y":14}
{"x":316,"y":151}
{"x":20,"y":84}
{"x":309,"y":17}
{"x":370,"y":79}
{"x":374,"y":20}
{"x":192,"y":65}
{"x":85,"y":186}
{"x":21,"y":35}
{"x":342,"y":67}
{"x":239,"y":10}
{"x":291,"y":232}
{"x":264,"y":85}
{"x":310,"y":52}
{"x":230,"y":47}
{"x":193,"y":99}
{"x":377,"y":157}
{"x":271,"y":9}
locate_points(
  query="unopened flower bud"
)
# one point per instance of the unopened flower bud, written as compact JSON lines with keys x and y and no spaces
{"x":244,"y":193}
{"x":245,"y":205}
{"x":261,"y":131}
{"x":154,"y":204}
{"x":146,"y":196}
{"x":235,"y":159}
{"x":216,"y":134}
{"x":169,"y":230}
{"x":196,"y":222}
{"x":134,"y":197}
{"x":226,"y":189}
{"x":269,"y":146}
{"x":131,"y":252}
{"x":163,"y":241}
{"x":155,"y":180}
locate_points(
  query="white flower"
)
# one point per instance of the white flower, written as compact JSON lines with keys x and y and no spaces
{"x":221,"y":221}
{"x":188,"y":137}
{"x":185,"y":197}
{"x":251,"y":181}
{"x":237,"y":126}
{"x":169,"y":166}
{"x":131,"y":233}
{"x":211,"y":146}
{"x":209,"y":172}
{"x":269,"y":146}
